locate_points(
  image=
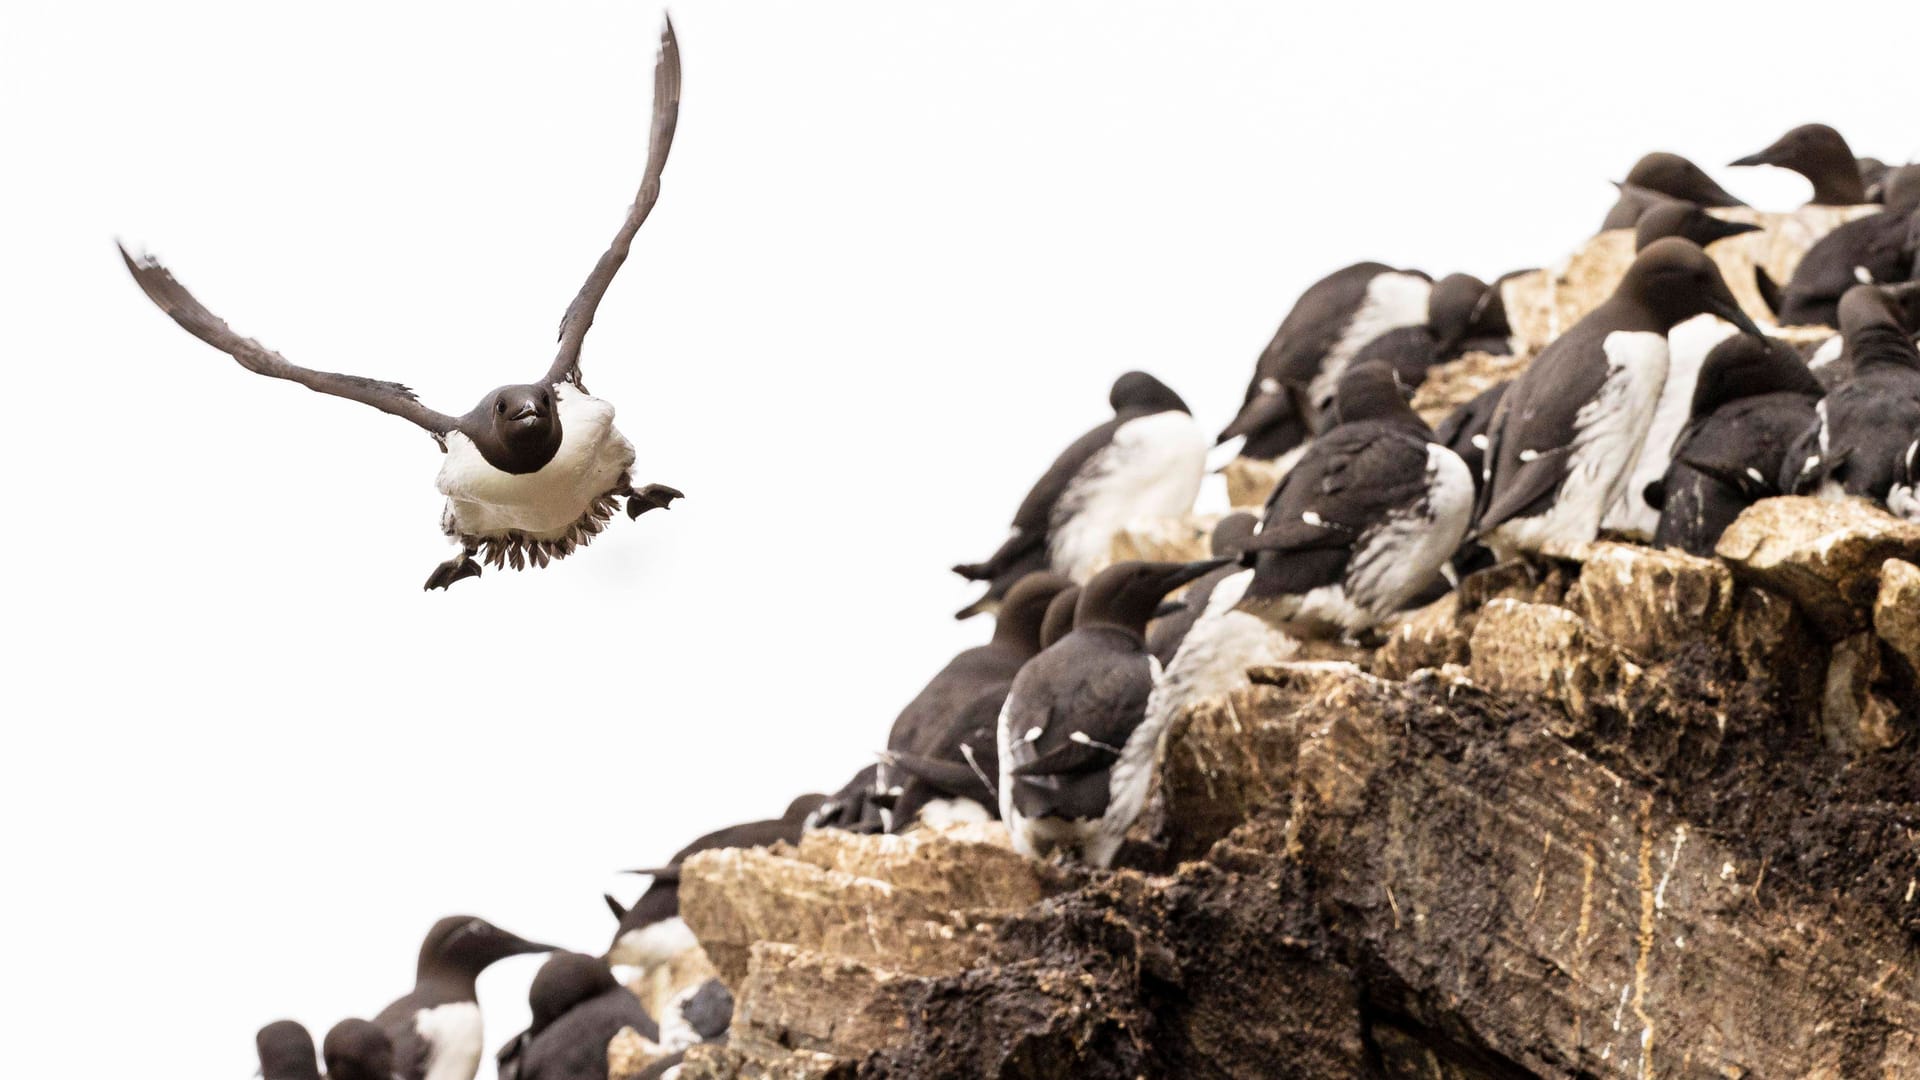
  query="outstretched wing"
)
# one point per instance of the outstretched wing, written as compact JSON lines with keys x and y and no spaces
{"x":174,"y":299}
{"x":666,"y":114}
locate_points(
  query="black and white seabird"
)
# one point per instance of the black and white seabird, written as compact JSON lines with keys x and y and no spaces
{"x":651,"y":931}
{"x":1820,"y":154}
{"x":532,"y":471}
{"x":577,"y":1008}
{"x":1059,"y":620}
{"x":1336,"y":317}
{"x":358,"y":1050}
{"x":1464,"y":431}
{"x":1862,"y":440}
{"x":1365,"y":521}
{"x":1753,"y":398}
{"x":1075,"y":746}
{"x":1662,"y":175}
{"x":1878,"y":249}
{"x":1568,"y":430}
{"x":1146,"y":462}
{"x":435,"y":1029}
{"x":286,"y":1052}
{"x":938,"y":738}
{"x":1229,"y":539}
{"x":1689,"y":221}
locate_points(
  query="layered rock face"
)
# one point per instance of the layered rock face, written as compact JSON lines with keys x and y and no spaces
{"x":1625,"y":813}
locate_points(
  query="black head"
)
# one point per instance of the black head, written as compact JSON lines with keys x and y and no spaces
{"x":1023,"y":614}
{"x":1372,"y":392}
{"x":564,"y":981}
{"x":516,"y":428}
{"x":1687,"y":220}
{"x":286,"y":1052}
{"x":1126,"y":594}
{"x":358,"y":1050}
{"x":1451,"y":307}
{"x":1748,"y":366}
{"x":1231,"y":533}
{"x":1141,"y":394}
{"x":801,"y":808}
{"x":1671,"y":282}
{"x":1902,"y":187}
{"x":462,"y":946}
{"x":1818,"y":153}
{"x":1677,"y":178}
{"x":1059,"y":620}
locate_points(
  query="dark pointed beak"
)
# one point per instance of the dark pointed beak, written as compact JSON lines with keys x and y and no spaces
{"x":1193,"y":571}
{"x":519,"y":946}
{"x":1169,"y":607}
{"x":1764,"y":157}
{"x":1716,"y":229}
{"x":1725,"y":306}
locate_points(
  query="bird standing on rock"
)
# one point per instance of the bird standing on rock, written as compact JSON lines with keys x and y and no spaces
{"x":1365,"y":521}
{"x":1075,"y":745}
{"x":1820,"y":154}
{"x":1877,"y":249}
{"x":435,"y":1028}
{"x":1568,"y":430}
{"x":1754,"y":397}
{"x":532,"y":471}
{"x":1861,"y":441}
{"x":1146,"y":462}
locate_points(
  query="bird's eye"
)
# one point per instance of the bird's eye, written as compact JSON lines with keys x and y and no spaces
{"x":500,"y":406}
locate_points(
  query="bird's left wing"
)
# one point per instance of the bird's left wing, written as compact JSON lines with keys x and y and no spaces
{"x":666,"y":114}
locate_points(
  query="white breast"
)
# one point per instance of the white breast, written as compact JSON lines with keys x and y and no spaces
{"x":593,"y":461}
{"x":653,"y":944}
{"x":455,"y":1040}
{"x":1393,"y":562}
{"x":1393,"y":300}
{"x":1687,"y":348}
{"x":1151,"y":469}
{"x":1609,"y":431}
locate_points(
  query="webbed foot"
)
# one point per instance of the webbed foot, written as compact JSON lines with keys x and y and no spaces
{"x":454,"y":569}
{"x":651,"y":497}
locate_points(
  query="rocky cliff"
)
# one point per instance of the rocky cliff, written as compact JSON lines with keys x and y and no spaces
{"x":1627,"y":813}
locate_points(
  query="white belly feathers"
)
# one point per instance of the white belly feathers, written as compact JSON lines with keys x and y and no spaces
{"x":551,"y":504}
{"x":1151,"y":469}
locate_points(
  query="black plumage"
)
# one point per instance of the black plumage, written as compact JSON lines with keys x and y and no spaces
{"x":1820,"y":154}
{"x":1689,"y":221}
{"x":1753,"y":399}
{"x":1659,"y":176}
{"x":577,"y":1009}
{"x":1863,"y":428}
{"x":454,"y":953}
{"x":358,"y":1050}
{"x":285,"y":1049}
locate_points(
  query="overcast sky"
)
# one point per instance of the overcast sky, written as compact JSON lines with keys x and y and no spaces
{"x":902,"y":250}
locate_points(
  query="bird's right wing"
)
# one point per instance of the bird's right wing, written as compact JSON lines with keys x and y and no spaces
{"x":174,"y":299}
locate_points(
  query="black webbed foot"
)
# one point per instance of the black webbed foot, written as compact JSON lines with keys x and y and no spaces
{"x":651,"y":497}
{"x":454,"y":569}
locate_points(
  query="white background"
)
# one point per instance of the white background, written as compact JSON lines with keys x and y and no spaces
{"x":901,"y":252}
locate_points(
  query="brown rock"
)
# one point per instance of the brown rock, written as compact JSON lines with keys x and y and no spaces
{"x":711,"y":1061}
{"x":1771,"y":640}
{"x":1896,"y":611}
{"x":797,"y":1000}
{"x":1249,"y":482}
{"x":1546,"y":652}
{"x":1456,"y":382}
{"x":1824,"y":556}
{"x":1427,"y":638}
{"x":1652,"y":602}
{"x":1855,"y":715}
{"x":629,"y":1053}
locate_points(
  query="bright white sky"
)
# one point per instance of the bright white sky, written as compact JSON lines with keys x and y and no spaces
{"x":901,"y":252}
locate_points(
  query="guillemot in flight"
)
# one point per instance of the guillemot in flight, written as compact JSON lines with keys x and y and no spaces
{"x":1146,"y":462}
{"x":532,"y":471}
{"x":1753,"y":398}
{"x":1366,"y":519}
{"x":1076,"y":749}
{"x":435,"y":1028}
{"x":1568,"y":430}
{"x":577,"y":1008}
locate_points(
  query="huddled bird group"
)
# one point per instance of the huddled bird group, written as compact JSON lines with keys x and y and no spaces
{"x":1657,"y":417}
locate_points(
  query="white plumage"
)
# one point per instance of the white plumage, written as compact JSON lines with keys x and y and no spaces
{"x":1394,"y":300}
{"x":454,"y":1035}
{"x":1150,"y":469}
{"x":592,"y":463}
{"x":1687,"y":347}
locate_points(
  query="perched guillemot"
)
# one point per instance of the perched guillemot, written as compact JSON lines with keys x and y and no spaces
{"x":358,"y":1050}
{"x":650,"y":932}
{"x":533,"y":470}
{"x":577,"y":1008}
{"x":1753,"y":398}
{"x":933,"y":763}
{"x":1861,"y":440}
{"x":1820,"y":154}
{"x":1059,"y":620}
{"x":286,"y":1052}
{"x":1689,"y":221}
{"x":1456,"y":305}
{"x":1365,"y":521}
{"x":1219,"y":641}
{"x":1333,"y":320}
{"x":435,"y":1029}
{"x":1569,"y":428}
{"x":1076,"y":751}
{"x":1877,"y":249}
{"x":1464,"y":431}
{"x":1229,"y":539}
{"x":1662,"y":175}
{"x":1146,"y":462}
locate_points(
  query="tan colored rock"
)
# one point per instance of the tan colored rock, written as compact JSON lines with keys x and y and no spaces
{"x":1896,"y":611}
{"x":1771,"y":639}
{"x":1426,"y":638}
{"x":1456,"y":382}
{"x":1651,"y":602}
{"x":1537,"y":650}
{"x":631,"y":1052}
{"x":710,"y":1061}
{"x":798,"y":1000}
{"x":1249,"y":482}
{"x":1181,"y":539}
{"x":1856,"y":717}
{"x":1824,"y":556}
{"x":657,"y":986}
